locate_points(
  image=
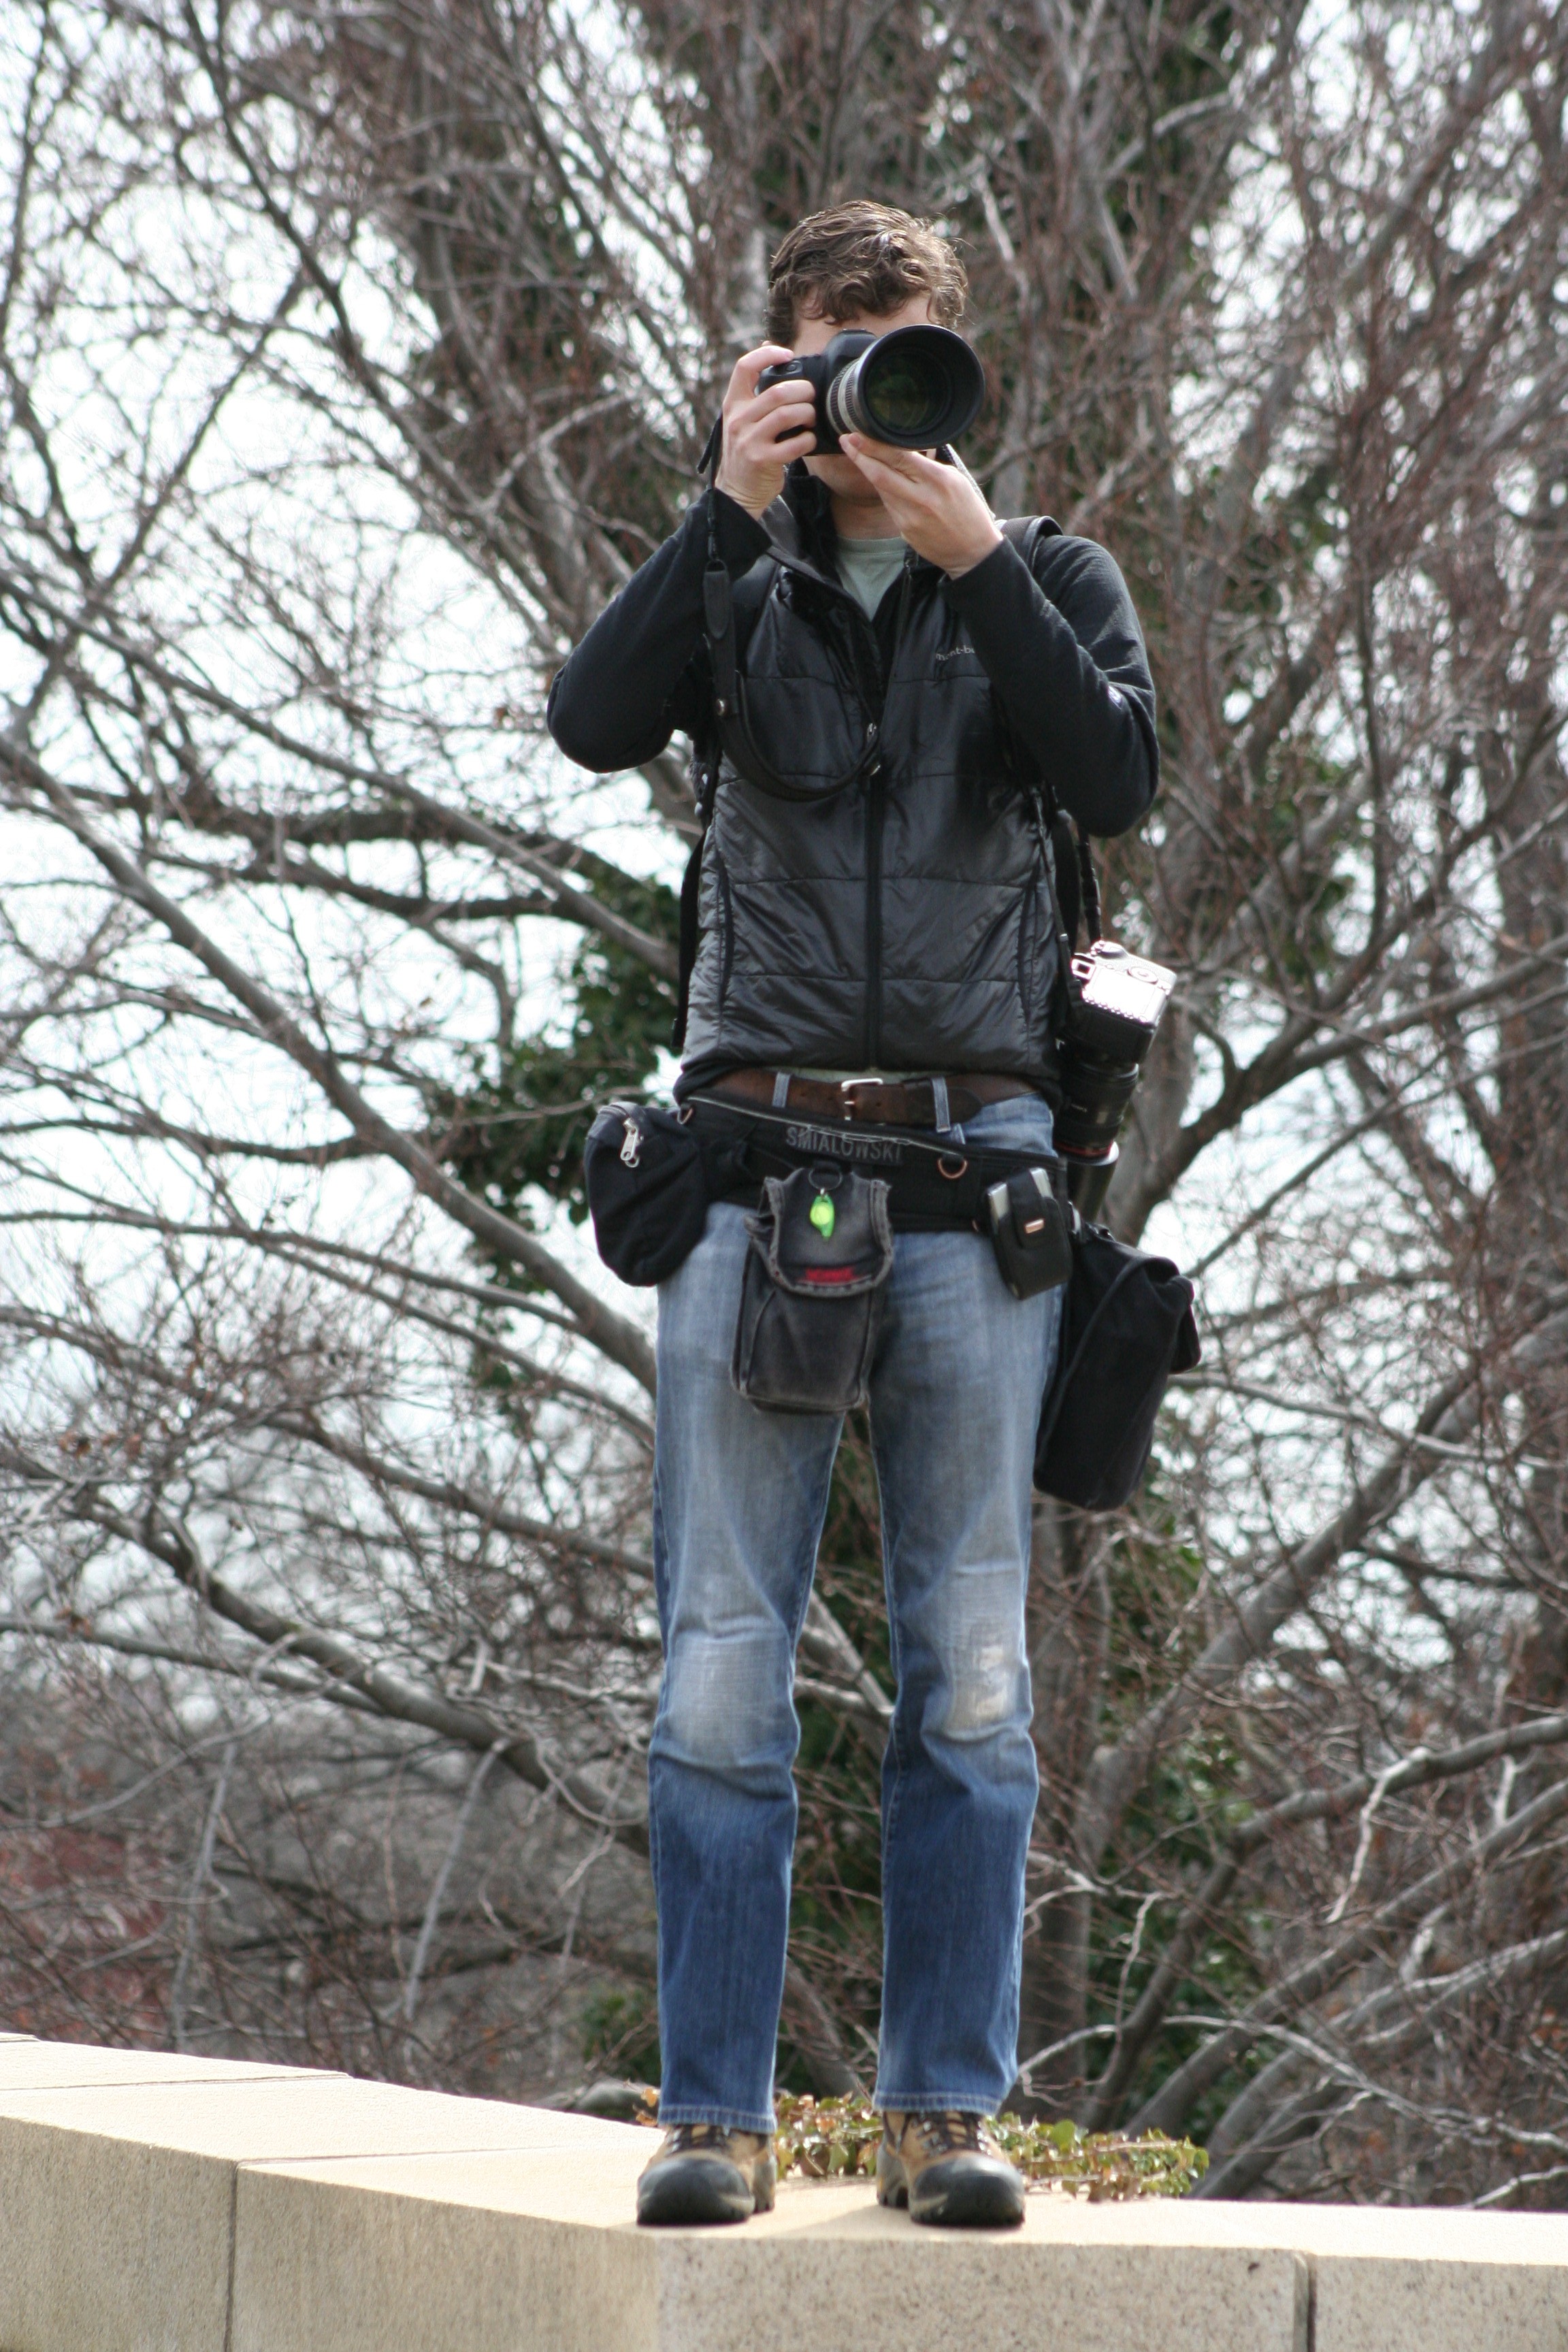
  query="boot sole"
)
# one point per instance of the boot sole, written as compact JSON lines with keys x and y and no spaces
{"x":693,"y":2192}
{"x":983,"y":2201}
{"x":971,"y":2205}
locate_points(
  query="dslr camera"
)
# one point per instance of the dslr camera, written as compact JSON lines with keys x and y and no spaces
{"x":1113,"y":1004}
{"x":915,"y":388}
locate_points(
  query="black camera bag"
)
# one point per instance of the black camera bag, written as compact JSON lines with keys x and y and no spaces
{"x":1127,"y":1325}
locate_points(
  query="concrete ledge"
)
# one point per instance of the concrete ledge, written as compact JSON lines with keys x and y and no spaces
{"x":150,"y":2203}
{"x":478,"y":2253}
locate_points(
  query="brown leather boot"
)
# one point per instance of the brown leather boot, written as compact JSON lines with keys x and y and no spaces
{"x":701,"y":2172}
{"x":947,"y":2169}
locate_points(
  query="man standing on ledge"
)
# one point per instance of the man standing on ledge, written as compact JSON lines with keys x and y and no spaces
{"x":887,"y":948}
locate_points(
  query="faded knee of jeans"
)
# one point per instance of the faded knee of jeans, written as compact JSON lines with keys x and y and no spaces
{"x":985,"y":1679}
{"x":726,"y":1704}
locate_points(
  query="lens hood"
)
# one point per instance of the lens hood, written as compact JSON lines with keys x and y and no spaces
{"x":914,"y":388}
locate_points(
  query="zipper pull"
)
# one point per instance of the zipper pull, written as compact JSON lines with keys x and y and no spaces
{"x":631,"y":1145}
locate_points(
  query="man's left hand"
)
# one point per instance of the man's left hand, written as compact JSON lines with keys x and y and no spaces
{"x":940,"y":509}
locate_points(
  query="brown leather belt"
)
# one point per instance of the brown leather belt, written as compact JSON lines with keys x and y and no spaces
{"x":874,"y":1102}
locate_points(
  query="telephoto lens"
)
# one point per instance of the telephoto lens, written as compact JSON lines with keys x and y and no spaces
{"x":1089,"y":1181}
{"x":915,"y":388}
{"x":1095,"y":1096}
{"x":1114,"y":1003}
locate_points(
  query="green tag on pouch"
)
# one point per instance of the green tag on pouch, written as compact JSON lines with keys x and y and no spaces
{"x":824,"y":1216}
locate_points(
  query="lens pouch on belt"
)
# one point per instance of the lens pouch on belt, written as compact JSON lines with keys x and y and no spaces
{"x":647,"y":1189}
{"x":1029,"y":1233}
{"x":811,"y":1298}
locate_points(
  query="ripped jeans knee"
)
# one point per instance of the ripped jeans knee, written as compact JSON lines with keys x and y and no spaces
{"x":725,"y":1708}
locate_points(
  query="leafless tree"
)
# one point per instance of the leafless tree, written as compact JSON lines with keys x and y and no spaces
{"x":350,"y":359}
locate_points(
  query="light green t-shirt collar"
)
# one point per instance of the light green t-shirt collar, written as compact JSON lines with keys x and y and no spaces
{"x":869,"y":568}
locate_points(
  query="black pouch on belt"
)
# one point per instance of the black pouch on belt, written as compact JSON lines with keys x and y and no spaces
{"x":811,"y":1298}
{"x":650,"y":1177}
{"x":1030,"y":1234}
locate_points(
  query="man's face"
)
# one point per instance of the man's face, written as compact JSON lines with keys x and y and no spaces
{"x":842,"y":475}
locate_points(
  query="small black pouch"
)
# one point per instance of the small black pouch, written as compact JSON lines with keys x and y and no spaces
{"x":648,"y":1187}
{"x":1029,"y":1233}
{"x":811,"y":1298}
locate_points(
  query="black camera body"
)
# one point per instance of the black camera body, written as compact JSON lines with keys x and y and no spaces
{"x":1115,"y":1001}
{"x":915,"y":388}
{"x":1113,"y":1004}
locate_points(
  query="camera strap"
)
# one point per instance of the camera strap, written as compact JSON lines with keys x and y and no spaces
{"x":1061,"y":843}
{"x":690,"y":898}
{"x":719,"y":629}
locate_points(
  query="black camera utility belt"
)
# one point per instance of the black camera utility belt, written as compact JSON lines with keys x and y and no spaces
{"x":653,"y":1173}
{"x":935,"y":1182}
{"x":826,"y":1195}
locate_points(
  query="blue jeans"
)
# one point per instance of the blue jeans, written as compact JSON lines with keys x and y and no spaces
{"x":740,"y":1496}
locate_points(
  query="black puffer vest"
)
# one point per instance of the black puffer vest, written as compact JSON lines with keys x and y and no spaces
{"x":903,"y":922}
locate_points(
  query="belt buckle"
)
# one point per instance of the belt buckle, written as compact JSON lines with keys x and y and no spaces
{"x":848,"y":1090}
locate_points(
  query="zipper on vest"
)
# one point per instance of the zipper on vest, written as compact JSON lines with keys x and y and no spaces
{"x":876,"y":817}
{"x":875,"y":812}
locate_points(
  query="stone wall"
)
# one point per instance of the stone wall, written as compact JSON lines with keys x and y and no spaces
{"x":150,"y":2203}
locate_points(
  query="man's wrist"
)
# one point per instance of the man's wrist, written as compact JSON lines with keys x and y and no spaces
{"x":741,"y":536}
{"x":756,"y":510}
{"x":971,"y":562}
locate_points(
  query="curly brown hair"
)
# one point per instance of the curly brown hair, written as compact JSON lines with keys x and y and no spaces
{"x":861,"y":256}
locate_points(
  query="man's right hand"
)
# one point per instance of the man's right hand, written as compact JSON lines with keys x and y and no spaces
{"x":763,"y":430}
